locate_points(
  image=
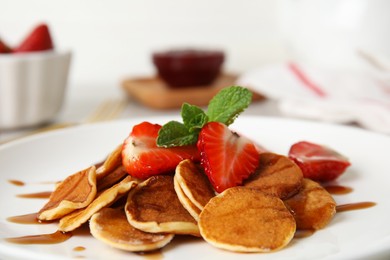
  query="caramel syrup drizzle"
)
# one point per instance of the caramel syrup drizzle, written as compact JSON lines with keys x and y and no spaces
{"x":337,"y":189}
{"x":31,"y":218}
{"x":22,"y":183}
{"x":53,"y":238}
{"x":59,"y":237}
{"x":302,"y":233}
{"x":354,"y":206}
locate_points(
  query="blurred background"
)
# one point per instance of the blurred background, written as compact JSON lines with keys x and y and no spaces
{"x":113,"y":40}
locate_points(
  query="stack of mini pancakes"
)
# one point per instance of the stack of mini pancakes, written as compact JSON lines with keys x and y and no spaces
{"x":143,"y":215}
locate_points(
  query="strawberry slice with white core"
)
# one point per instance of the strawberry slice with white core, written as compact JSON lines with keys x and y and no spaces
{"x":227,"y":158}
{"x":318,"y":162}
{"x":142,"y":158}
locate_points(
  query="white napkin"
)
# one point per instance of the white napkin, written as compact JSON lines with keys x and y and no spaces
{"x":327,"y":95}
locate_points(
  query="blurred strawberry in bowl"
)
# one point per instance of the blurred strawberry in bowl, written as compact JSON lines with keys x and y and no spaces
{"x":4,"y":48}
{"x":38,"y":40}
{"x":33,"y":79}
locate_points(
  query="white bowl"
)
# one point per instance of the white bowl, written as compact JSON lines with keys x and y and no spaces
{"x":32,"y":87}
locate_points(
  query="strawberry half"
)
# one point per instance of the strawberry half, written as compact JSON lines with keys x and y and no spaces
{"x":317,"y":162}
{"x":142,"y":158}
{"x":38,"y":40}
{"x":227,"y":158}
{"x":4,"y":48}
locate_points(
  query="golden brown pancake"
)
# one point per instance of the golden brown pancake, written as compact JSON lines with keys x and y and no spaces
{"x":77,"y":218}
{"x":113,"y":161}
{"x":194,"y":183}
{"x":313,"y":207}
{"x":186,"y":202}
{"x":111,"y":178}
{"x":246,"y":220}
{"x":276,"y":175}
{"x":75,"y":192}
{"x":153,"y":206}
{"x":111,"y":227}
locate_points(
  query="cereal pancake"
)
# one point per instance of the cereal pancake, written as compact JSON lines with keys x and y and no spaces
{"x":111,"y":227}
{"x":194,"y":183}
{"x":75,"y":192}
{"x":313,"y":207}
{"x":113,"y":161}
{"x":111,"y":178}
{"x":186,"y":202}
{"x":276,"y":175}
{"x":246,"y":220}
{"x":153,"y":206}
{"x":77,"y":218}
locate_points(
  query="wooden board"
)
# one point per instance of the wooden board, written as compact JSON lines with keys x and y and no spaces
{"x":154,"y":93}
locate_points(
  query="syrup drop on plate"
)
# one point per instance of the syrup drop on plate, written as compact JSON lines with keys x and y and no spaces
{"x":79,"y":248}
{"x":16,"y":182}
{"x":36,"y":195}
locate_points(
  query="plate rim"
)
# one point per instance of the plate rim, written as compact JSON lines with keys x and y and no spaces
{"x":21,"y":141}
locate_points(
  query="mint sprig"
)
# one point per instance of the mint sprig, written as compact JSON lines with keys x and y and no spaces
{"x":228,"y":104}
{"x":224,"y":107}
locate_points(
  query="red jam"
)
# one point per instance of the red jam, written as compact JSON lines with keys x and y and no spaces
{"x":188,"y":67}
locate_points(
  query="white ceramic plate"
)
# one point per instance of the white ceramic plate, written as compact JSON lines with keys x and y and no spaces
{"x":55,"y":155}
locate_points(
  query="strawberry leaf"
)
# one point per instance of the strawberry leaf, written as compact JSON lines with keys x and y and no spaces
{"x":174,"y":134}
{"x":228,"y":104}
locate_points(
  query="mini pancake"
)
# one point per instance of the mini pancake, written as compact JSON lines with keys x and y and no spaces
{"x":186,"y":202}
{"x":111,"y":178}
{"x":113,"y":161}
{"x":276,"y":175}
{"x":246,"y":220}
{"x":75,"y":192}
{"x":153,"y":206}
{"x":313,"y":207}
{"x":111,"y":227}
{"x":77,"y":218}
{"x":194,"y":183}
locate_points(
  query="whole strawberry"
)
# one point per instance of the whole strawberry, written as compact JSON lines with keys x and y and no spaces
{"x":142,"y":158}
{"x":227,"y":158}
{"x":318,"y":162}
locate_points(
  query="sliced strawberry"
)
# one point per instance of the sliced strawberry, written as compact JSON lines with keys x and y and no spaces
{"x":227,"y":158}
{"x":317,"y":162}
{"x":142,"y":158}
{"x":38,"y":40}
{"x":4,"y":48}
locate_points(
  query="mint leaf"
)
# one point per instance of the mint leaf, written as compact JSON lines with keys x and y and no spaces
{"x":224,"y":108}
{"x":174,"y":134}
{"x":198,"y":122}
{"x":228,"y":104}
{"x":194,"y":117}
